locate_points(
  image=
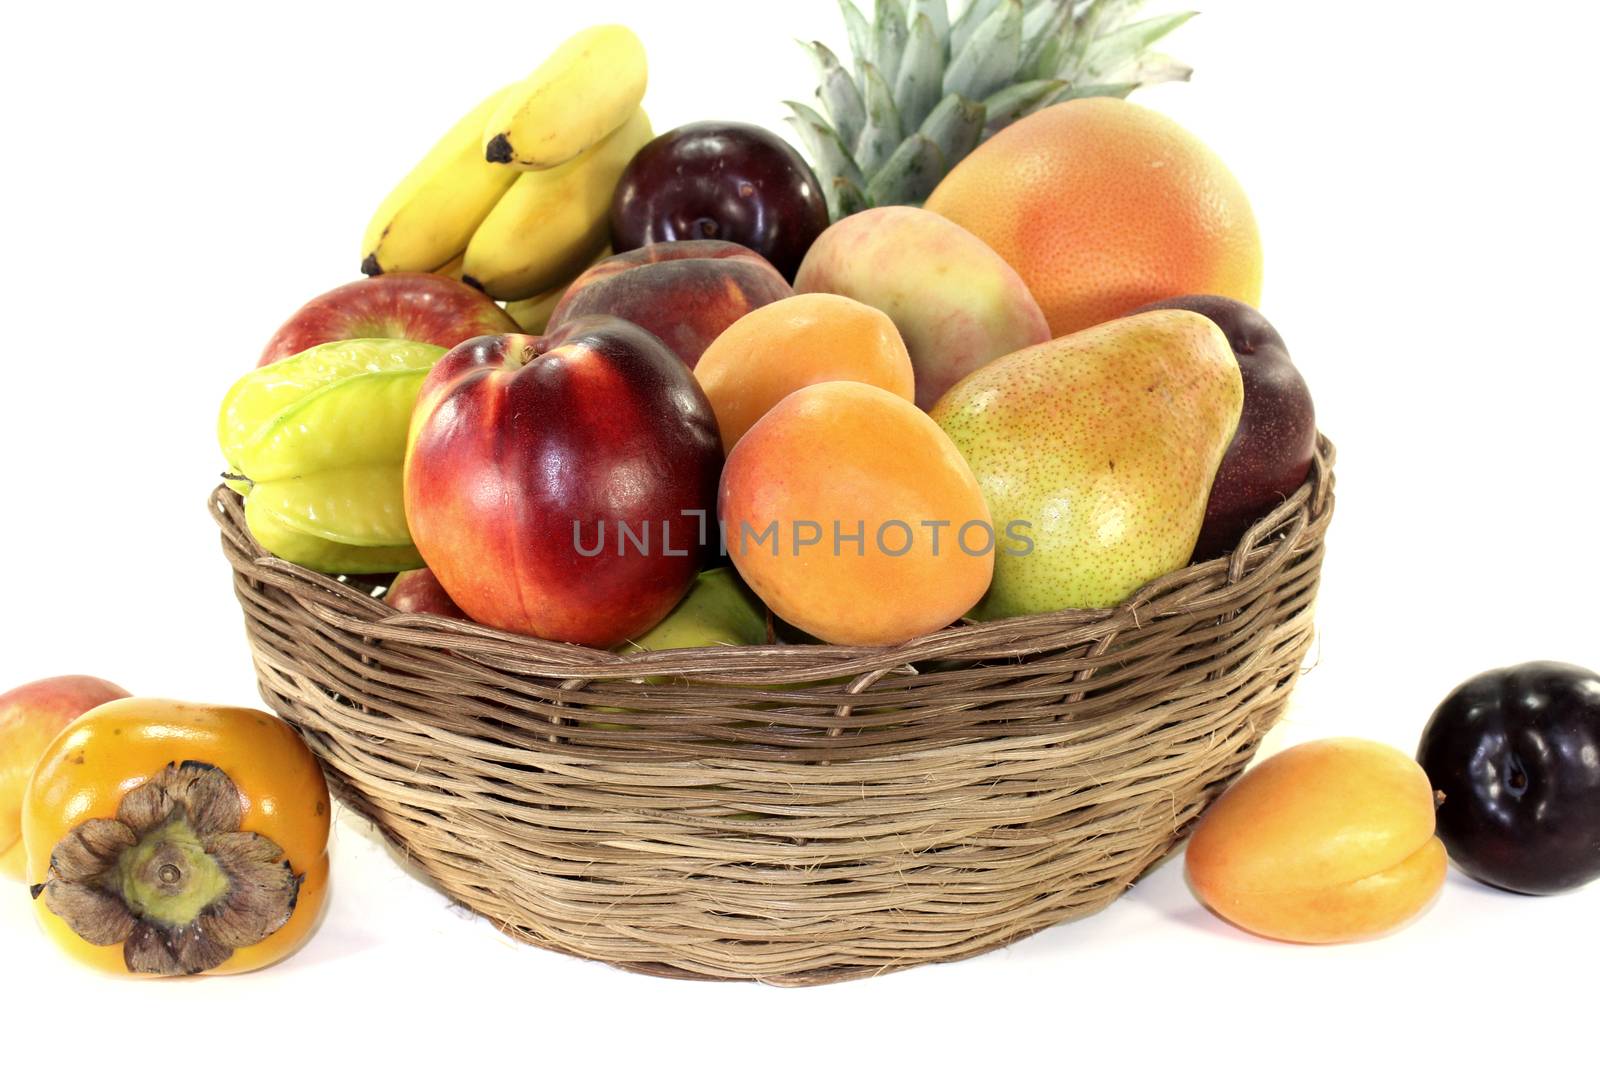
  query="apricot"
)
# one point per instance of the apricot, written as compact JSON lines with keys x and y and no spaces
{"x":799,"y":341}
{"x":1329,"y":841}
{"x":852,"y":515}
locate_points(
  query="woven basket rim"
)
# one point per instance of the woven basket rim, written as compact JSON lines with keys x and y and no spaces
{"x":793,"y":814}
{"x":376,"y":619}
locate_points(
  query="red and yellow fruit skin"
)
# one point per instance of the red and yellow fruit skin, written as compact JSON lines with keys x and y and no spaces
{"x":433,"y":308}
{"x":516,"y":439}
{"x":684,"y":292}
{"x":30,"y":716}
{"x":419,"y":591}
{"x":1329,"y":841}
{"x":113,"y":749}
{"x":957,"y":304}
{"x":1103,"y":206}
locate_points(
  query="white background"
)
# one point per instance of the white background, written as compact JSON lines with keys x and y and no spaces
{"x":178,"y":181}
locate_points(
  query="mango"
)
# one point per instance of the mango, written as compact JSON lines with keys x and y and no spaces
{"x":954,"y":300}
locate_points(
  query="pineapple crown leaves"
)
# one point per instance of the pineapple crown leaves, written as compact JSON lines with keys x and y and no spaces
{"x":923,"y":91}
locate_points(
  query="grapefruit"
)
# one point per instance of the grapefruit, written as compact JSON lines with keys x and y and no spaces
{"x":1103,"y":206}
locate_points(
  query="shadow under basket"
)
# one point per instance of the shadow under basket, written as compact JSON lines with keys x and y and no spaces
{"x":793,"y":814}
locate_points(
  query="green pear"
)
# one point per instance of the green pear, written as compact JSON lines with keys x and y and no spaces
{"x":1096,"y":452}
{"x":718,"y":610}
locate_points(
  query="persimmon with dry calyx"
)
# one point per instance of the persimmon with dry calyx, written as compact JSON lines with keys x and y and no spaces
{"x":166,"y":838}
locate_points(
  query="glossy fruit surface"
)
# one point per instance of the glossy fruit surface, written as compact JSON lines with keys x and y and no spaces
{"x":404,"y":306}
{"x":173,"y":838}
{"x":793,"y":343}
{"x":551,"y":223}
{"x":583,"y":91}
{"x":1328,"y":841}
{"x":551,"y":483}
{"x":848,"y":460}
{"x":684,"y":292}
{"x":1104,"y":206}
{"x":1270,"y":456}
{"x":315,"y":442}
{"x":720,"y":181}
{"x":30,"y":717}
{"x":1516,"y":753}
{"x":419,"y":591}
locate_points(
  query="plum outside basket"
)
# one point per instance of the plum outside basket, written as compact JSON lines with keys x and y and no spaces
{"x":793,"y":814}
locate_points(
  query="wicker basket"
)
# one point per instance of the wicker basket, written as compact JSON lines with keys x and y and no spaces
{"x":793,"y":814}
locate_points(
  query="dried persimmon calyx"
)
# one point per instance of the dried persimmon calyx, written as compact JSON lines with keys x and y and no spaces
{"x":172,"y":878}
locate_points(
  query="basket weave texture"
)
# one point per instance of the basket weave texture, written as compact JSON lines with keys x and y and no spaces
{"x":793,"y":814}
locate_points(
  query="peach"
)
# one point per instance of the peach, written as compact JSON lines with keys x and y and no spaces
{"x":955,"y":301}
{"x":420,"y":591}
{"x":776,"y":349}
{"x":852,"y":515}
{"x":684,"y":292}
{"x":1329,"y":841}
{"x":30,"y":717}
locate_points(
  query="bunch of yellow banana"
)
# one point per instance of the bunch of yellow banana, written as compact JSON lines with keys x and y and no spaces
{"x":515,"y":197}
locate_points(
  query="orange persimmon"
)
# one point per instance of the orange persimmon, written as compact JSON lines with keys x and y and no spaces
{"x":168,"y":838}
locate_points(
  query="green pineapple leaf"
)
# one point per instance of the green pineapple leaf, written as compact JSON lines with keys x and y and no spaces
{"x":1015,"y":101}
{"x":838,"y":93}
{"x":889,"y":33}
{"x":882,"y":131}
{"x":1120,"y":90}
{"x":910,"y":174}
{"x":844,"y":197}
{"x":916,"y":87}
{"x":927,"y":88}
{"x":971,"y":16}
{"x":829,"y":157}
{"x":1041,"y":37}
{"x":1086,"y":28}
{"x":1155,"y":68}
{"x":938,"y":15}
{"x":859,"y":31}
{"x":991,"y":56}
{"x":1115,"y":50}
{"x":955,"y":127}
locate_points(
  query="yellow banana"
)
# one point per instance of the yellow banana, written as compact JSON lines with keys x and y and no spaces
{"x":430,"y":216}
{"x":452,"y":269}
{"x":551,"y":223}
{"x":533,"y":314}
{"x":585,"y":90}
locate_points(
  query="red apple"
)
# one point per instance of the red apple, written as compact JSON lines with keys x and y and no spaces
{"x":419,"y":590}
{"x":558,"y":486}
{"x":30,"y":717}
{"x":417,"y":307}
{"x":684,"y":292}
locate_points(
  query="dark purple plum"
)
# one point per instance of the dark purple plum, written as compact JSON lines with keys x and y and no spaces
{"x":1271,"y":451}
{"x":723,"y":181}
{"x":1516,"y":754}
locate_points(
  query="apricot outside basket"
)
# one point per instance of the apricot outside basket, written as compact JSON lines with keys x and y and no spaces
{"x":793,"y":814}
